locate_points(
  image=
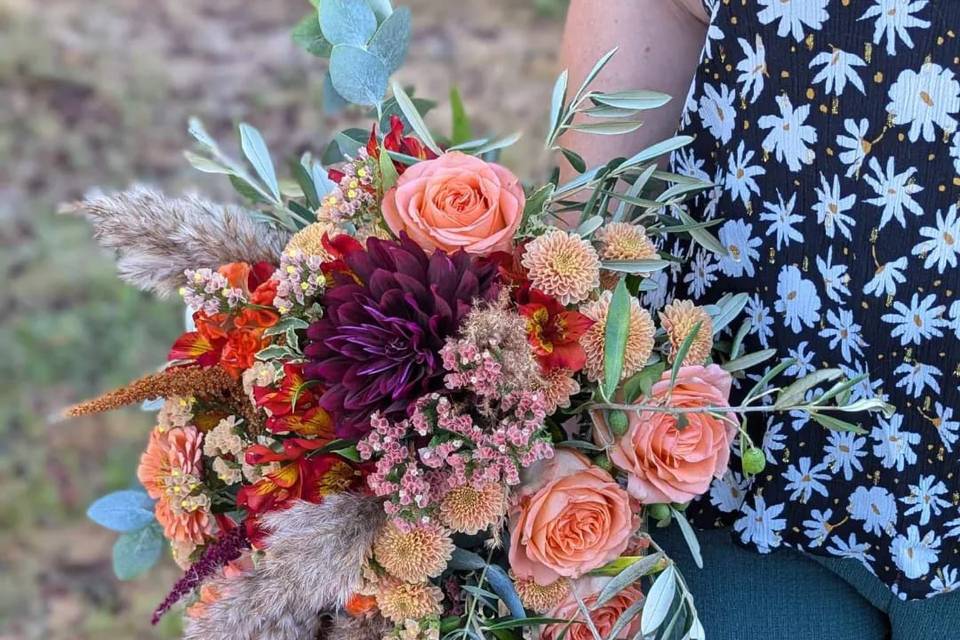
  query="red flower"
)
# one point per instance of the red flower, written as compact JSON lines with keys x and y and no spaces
{"x":293,"y":394}
{"x":396,"y":141}
{"x":554,"y":333}
{"x":301,"y":477}
{"x":239,"y":351}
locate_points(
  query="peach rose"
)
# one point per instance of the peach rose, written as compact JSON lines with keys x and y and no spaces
{"x":571,"y":518}
{"x":604,"y":617}
{"x":456,"y":202}
{"x":670,"y":464}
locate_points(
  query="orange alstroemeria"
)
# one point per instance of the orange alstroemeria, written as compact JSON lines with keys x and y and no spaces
{"x":554,"y":333}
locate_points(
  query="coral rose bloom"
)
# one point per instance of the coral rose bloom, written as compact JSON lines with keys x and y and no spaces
{"x":603,"y":617}
{"x":571,"y":518}
{"x":667,"y":464}
{"x":456,"y":202}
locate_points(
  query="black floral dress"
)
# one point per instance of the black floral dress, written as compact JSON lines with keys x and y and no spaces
{"x":830,"y":131}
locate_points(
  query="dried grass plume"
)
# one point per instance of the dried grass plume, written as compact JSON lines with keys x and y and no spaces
{"x":155,"y":237}
{"x":313,"y":563}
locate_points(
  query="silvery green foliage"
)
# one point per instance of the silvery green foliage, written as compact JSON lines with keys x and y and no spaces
{"x":314,"y":557}
{"x":366,"y":41}
{"x":155,"y":238}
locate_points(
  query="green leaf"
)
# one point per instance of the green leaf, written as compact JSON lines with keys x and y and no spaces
{"x":301,"y":173}
{"x":604,"y":111}
{"x":655,"y":151}
{"x":256,"y":151}
{"x":196,"y":129}
{"x":308,"y":35}
{"x":512,"y":623}
{"x":641,"y":383}
{"x":351,"y":140}
{"x":589,"y":226}
{"x":625,"y":572}
{"x":796,"y":391}
{"x":286,"y":322}
{"x":574,"y":159}
{"x":682,"y":350}
{"x":390,"y":41}
{"x":701,"y":236}
{"x":206,"y":165}
{"x":460,"y":129}
{"x":350,"y":453}
{"x":413,"y":118}
{"x":636,"y":266}
{"x":388,"y":172}
{"x":536,"y":204}
{"x":633,"y":191}
{"x":347,"y":22}
{"x":615,"y":334}
{"x":870,"y":404}
{"x":556,"y":101}
{"x":762,"y":383}
{"x":659,"y":600}
{"x":689,"y":536}
{"x":835,"y":424}
{"x":607,"y":128}
{"x":506,"y":141}
{"x":357,"y":75}
{"x":247,"y":190}
{"x":738,"y":338}
{"x":749,"y":360}
{"x":273,"y":352}
{"x":136,"y":551}
{"x":636,"y":99}
{"x":122,"y":511}
{"x":597,"y":68}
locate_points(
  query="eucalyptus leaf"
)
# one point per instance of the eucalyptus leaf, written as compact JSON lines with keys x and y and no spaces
{"x":463,"y":560}
{"x":333,"y":102}
{"x":502,"y":585}
{"x":381,"y":8}
{"x":347,"y":22}
{"x":136,"y":551}
{"x":357,"y":75}
{"x":616,"y":332}
{"x":349,"y":144}
{"x":255,"y":149}
{"x":659,"y":601}
{"x":391,"y":40}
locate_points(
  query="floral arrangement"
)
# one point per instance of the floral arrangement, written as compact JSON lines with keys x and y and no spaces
{"x":419,"y":399}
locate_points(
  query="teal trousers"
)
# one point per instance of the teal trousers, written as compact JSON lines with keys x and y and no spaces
{"x":743,"y":595}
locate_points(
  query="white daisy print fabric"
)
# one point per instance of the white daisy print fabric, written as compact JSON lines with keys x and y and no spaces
{"x":831,"y":132}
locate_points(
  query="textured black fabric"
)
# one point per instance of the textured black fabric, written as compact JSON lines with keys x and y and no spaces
{"x":829,"y":128}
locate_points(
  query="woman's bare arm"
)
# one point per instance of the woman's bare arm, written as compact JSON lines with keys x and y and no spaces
{"x":659,"y":42}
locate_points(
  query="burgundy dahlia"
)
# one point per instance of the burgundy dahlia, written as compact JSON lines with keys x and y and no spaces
{"x":377,"y":347}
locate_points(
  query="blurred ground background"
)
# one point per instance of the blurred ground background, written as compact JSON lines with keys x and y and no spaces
{"x":97,"y":93}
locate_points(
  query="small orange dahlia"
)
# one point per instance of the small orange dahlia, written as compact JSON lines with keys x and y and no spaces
{"x":468,"y":510}
{"x":557,"y":386}
{"x":399,"y":601}
{"x":639,"y":338}
{"x":170,"y":470}
{"x":678,"y":319}
{"x":541,"y":598}
{"x":414,"y":555}
{"x":624,"y":241}
{"x":562,"y":265}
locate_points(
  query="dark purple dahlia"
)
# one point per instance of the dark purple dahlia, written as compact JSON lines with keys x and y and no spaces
{"x":377,"y":347}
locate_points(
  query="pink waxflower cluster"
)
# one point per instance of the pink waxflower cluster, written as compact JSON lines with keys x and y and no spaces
{"x":300,"y":281}
{"x":443,"y":445}
{"x":356,"y":192}
{"x":209,"y":291}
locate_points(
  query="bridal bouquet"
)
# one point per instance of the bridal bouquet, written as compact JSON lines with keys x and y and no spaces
{"x":420,"y":399}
